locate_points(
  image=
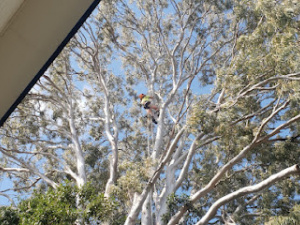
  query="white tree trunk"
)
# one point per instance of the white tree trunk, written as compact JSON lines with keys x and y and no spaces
{"x":113,"y":167}
{"x":146,"y":217}
{"x":80,"y":162}
{"x":169,"y":187}
{"x":111,"y":130}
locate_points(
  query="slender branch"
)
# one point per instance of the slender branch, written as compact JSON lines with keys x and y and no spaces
{"x":8,"y":197}
{"x":28,"y":186}
{"x":14,"y":169}
{"x":266,"y":120}
{"x":30,"y":168}
{"x":257,"y":113}
{"x":259,"y":86}
{"x":240,"y":207}
{"x":187,"y":161}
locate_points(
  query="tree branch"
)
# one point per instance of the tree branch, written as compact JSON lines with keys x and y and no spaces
{"x":30,"y":168}
{"x":7,"y":196}
{"x":247,"y":190}
{"x":14,"y":169}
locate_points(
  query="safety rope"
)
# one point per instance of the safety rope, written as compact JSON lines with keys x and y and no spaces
{"x":149,"y":135}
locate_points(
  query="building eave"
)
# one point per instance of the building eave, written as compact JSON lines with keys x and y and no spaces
{"x":32,"y":35}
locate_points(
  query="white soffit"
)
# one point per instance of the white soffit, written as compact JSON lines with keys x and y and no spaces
{"x":32,"y":33}
{"x":7,"y":9}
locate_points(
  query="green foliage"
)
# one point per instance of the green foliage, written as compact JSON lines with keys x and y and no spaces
{"x":175,"y":202}
{"x":269,"y":46}
{"x":292,"y":218}
{"x":9,"y":216}
{"x":133,"y":177}
{"x":60,"y":207}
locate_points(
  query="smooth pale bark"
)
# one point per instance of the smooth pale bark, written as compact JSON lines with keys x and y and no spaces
{"x":159,"y":134}
{"x":80,"y":161}
{"x":14,"y":169}
{"x":138,"y":203}
{"x":111,"y":128}
{"x":167,"y":190}
{"x":146,"y":217}
{"x":248,"y":190}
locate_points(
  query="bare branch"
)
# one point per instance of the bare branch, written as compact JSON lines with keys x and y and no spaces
{"x":30,"y":168}
{"x":14,"y":169}
{"x":240,"y":207}
{"x":188,"y":160}
{"x":8,"y":197}
{"x":266,"y":120}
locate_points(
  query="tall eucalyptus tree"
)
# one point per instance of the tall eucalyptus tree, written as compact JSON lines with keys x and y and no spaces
{"x":225,"y":75}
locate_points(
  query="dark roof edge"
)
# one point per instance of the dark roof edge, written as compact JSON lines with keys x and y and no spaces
{"x":50,"y":60}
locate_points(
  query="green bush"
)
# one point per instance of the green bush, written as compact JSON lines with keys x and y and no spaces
{"x":62,"y":206}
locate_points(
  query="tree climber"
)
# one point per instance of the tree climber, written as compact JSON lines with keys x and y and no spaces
{"x":146,"y":103}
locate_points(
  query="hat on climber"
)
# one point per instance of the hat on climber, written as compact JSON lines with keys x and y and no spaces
{"x":141,"y":96}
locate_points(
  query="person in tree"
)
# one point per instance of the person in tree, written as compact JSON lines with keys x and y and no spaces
{"x":146,"y":103}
